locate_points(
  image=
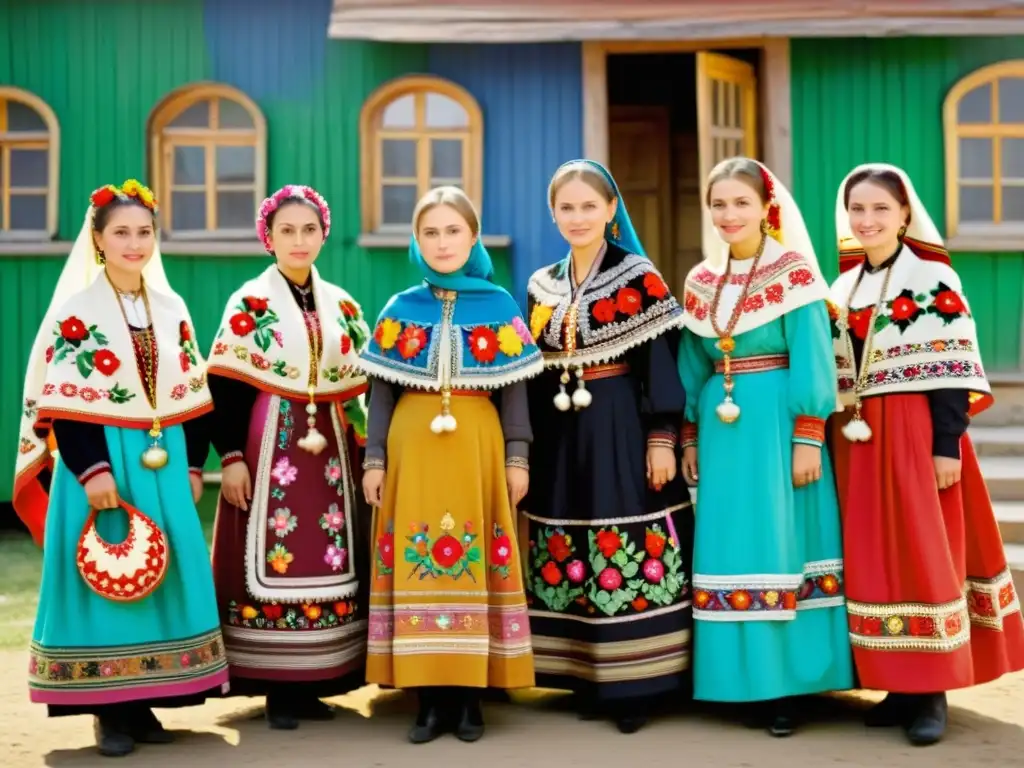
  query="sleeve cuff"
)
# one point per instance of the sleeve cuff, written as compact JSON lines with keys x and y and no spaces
{"x":231,"y":457}
{"x":809,"y":430}
{"x":195,"y":471}
{"x":689,"y":435}
{"x":663,"y":438}
{"x":946,"y":445}
{"x":517,"y":461}
{"x":93,"y":471}
{"x":372,"y":463}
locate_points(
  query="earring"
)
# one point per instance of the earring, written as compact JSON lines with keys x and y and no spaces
{"x":100,"y":257}
{"x":902,"y":233}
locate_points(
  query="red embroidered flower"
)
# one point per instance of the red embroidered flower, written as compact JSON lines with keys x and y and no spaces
{"x":558,"y":547}
{"x":106,"y":362}
{"x":272,"y":612}
{"x":774,"y":293}
{"x":48,"y":389}
{"x":981,"y":603}
{"x":922,"y":626}
{"x":386,"y":549}
{"x":655,"y":286}
{"x":68,"y":389}
{"x":73,"y":329}
{"x":871,"y":626}
{"x":700,"y":312}
{"x":184,"y":332}
{"x":413,"y":340}
{"x":483,"y":344}
{"x":859,"y":322}
{"x":89,"y":394}
{"x":828,"y":584}
{"x":185,"y":362}
{"x":102,"y":196}
{"x":629,"y":301}
{"x":801,"y":276}
{"x":653,"y":570}
{"x":346,"y":344}
{"x":179,"y":392}
{"x":610,"y":579}
{"x":753,"y":303}
{"x":654,"y":543}
{"x":501,"y":550}
{"x":242,"y":324}
{"x":690,"y":301}
{"x":789,"y":601}
{"x":639,"y":603}
{"x":739,"y":599}
{"x":255,"y":304}
{"x":348,"y":309}
{"x":608,"y":542}
{"x":551,"y":574}
{"x":903,"y":308}
{"x":604,"y":310}
{"x":259,"y":362}
{"x":447,"y":551}
{"x":954,"y":625}
{"x":576,"y":571}
{"x":948,"y":302}
{"x":49,"y":354}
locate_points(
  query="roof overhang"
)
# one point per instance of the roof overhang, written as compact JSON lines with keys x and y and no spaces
{"x":501,"y":21}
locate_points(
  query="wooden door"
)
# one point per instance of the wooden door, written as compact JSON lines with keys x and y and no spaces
{"x":639,"y":149}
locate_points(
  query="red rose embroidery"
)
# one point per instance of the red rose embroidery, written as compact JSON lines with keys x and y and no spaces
{"x":386,"y":549}
{"x":501,"y":550}
{"x":903,"y":308}
{"x":629,"y":301}
{"x":654,"y":543}
{"x":753,"y":303}
{"x":88,"y":394}
{"x":608,"y":542}
{"x":73,"y":329}
{"x":739,"y":599}
{"x":184,"y":332}
{"x":655,"y":286}
{"x":348,"y":309}
{"x":801,"y":276}
{"x":922,"y":626}
{"x":774,"y":293}
{"x":558,"y":547}
{"x":609,"y":579}
{"x":551,"y":574}
{"x":68,"y":389}
{"x":179,"y":392}
{"x":859,"y":321}
{"x":272,"y":612}
{"x":185,"y":362}
{"x":447,"y":551}
{"x":255,"y":303}
{"x":483,"y":344}
{"x":242,"y":324}
{"x":346,"y":344}
{"x":106,"y":362}
{"x":412,"y":341}
{"x":604,"y":310}
{"x":690,"y":301}
{"x":949,"y":303}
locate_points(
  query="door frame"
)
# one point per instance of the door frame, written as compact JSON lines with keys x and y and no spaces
{"x":773,"y":86}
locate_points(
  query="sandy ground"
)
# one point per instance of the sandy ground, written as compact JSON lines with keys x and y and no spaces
{"x":986,"y":729}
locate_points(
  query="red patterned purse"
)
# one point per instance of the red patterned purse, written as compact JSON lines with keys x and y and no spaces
{"x":130,"y":570}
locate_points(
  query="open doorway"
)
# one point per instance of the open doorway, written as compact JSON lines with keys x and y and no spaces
{"x":671,"y":117}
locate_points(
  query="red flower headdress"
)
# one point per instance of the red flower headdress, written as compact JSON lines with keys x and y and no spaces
{"x":276,"y":200}
{"x":132,"y":188}
{"x":774,"y":218}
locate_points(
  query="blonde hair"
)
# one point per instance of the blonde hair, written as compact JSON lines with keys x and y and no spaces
{"x":742,"y":169}
{"x":453,"y":197}
{"x":585,"y":172}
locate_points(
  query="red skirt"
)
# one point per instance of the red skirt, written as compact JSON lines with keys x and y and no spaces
{"x":931,"y":602}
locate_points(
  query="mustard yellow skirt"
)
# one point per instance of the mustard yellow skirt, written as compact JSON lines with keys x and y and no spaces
{"x":446,"y":597}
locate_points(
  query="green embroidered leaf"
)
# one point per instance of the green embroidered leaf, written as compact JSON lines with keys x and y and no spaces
{"x":601,"y":598}
{"x":262,"y":337}
{"x":473,"y":555}
{"x":631,"y":548}
{"x":100,"y":338}
{"x":620,"y":559}
{"x":599,"y":562}
{"x":880,"y":322}
{"x":630,"y":569}
{"x":639,"y":556}
{"x":84,"y":363}
{"x":635,"y":584}
{"x":58,"y":344}
{"x":411,"y":555}
{"x":920,"y":297}
{"x":279,"y":368}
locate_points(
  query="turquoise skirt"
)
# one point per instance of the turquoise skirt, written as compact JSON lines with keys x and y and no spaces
{"x":88,"y":650}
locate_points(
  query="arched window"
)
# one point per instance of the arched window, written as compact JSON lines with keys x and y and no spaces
{"x":208,"y":145}
{"x":417,"y":132}
{"x":983,"y":120}
{"x":29,"y":166}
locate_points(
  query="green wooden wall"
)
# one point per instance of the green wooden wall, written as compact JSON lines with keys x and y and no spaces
{"x":103,"y":66}
{"x":880,"y":100}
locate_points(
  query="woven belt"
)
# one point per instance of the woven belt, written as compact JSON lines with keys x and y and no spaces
{"x":605,"y":371}
{"x":755,"y":364}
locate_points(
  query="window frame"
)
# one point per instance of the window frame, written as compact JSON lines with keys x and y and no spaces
{"x":985,"y":236}
{"x":372,"y":134}
{"x":34,"y":140}
{"x":161,"y":149}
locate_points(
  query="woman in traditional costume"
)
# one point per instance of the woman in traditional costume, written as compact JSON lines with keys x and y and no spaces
{"x":610,"y":523}
{"x":931,"y":601}
{"x":759,"y":375}
{"x":446,"y":464}
{"x":127,"y":618}
{"x":289,"y":546}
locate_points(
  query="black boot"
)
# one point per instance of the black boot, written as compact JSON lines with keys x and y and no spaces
{"x":889,"y":712}
{"x":144,"y":727}
{"x":929,"y":723}
{"x":280,"y":714}
{"x":112,"y":736}
{"x":430,"y":717}
{"x":783,"y":723}
{"x":470,"y":725}
{"x":630,"y":715}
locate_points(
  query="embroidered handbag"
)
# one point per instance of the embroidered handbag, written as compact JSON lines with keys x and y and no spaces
{"x":130,"y":570}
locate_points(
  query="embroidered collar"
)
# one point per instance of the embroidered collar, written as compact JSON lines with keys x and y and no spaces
{"x":622,"y":303}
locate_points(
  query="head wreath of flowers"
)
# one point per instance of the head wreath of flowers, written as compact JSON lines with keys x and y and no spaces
{"x":131,"y":189}
{"x":284,"y":194}
{"x":773,"y":221}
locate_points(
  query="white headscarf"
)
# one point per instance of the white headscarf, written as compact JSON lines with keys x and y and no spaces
{"x":792,"y":233}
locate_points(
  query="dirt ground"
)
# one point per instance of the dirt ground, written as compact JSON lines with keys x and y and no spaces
{"x":986,"y":729}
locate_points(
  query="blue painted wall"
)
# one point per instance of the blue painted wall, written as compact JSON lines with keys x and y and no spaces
{"x":531,"y":97}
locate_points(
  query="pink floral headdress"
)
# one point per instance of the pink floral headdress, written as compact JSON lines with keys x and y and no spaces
{"x":283,"y":195}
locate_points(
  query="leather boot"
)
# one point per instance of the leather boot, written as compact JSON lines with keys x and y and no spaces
{"x":929,"y":724}
{"x":889,"y":712}
{"x":144,"y":727}
{"x":112,"y":737}
{"x":429,"y":718}
{"x":630,"y":715}
{"x":783,"y":723}
{"x":470,"y":725}
{"x":280,"y":714}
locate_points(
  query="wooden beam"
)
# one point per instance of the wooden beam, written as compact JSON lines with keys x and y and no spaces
{"x":595,"y":102}
{"x":776,"y":106}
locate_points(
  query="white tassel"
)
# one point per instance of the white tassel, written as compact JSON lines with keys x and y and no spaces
{"x":581,"y":398}
{"x":727,"y":411}
{"x":857,"y":431}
